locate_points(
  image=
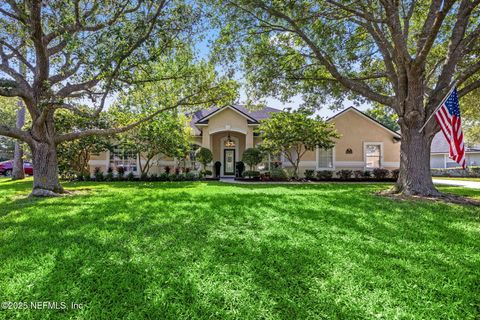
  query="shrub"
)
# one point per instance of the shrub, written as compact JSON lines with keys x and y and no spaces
{"x":153,"y":177}
{"x":344,"y":174}
{"x":240,"y":166}
{"x":265,"y":176}
{"x":163,"y":176}
{"x":109,"y":175}
{"x":367,"y":174}
{"x":252,"y":157}
{"x":144,"y":177}
{"x":207,"y":172}
{"x":217,"y":166}
{"x":395,"y":173}
{"x":309,"y":174}
{"x":190,"y":176}
{"x":120,"y":173}
{"x":204,"y":156}
{"x":167,"y":169}
{"x":98,"y":174}
{"x":475,"y":171}
{"x":130,"y":176}
{"x":251,"y":174}
{"x":278,"y":174}
{"x":324,"y":174}
{"x":80,"y":177}
{"x":358,"y":174}
{"x":177,"y":171}
{"x":380,"y":173}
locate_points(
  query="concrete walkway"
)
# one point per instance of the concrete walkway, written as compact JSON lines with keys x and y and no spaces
{"x":458,"y":183}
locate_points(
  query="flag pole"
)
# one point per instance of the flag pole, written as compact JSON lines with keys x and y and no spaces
{"x":438,"y":107}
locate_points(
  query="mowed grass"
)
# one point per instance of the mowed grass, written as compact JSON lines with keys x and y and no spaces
{"x":221,"y":251}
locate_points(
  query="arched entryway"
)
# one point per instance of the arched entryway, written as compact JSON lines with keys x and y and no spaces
{"x":227,"y":147}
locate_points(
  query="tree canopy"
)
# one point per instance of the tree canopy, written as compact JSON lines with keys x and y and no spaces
{"x":83,"y":53}
{"x":404,"y":54}
{"x":292,"y":134}
{"x":252,"y":157}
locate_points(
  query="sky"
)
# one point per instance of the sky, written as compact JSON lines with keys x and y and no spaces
{"x":203,"y":49}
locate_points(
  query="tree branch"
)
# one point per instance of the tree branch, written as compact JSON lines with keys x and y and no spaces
{"x":356,"y":86}
{"x":105,"y":132}
{"x":469,"y":88}
{"x":16,"y":134}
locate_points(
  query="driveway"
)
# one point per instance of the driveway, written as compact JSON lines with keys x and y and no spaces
{"x":458,"y":183}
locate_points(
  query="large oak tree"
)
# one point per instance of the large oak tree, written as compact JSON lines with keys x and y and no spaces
{"x":402,"y":54}
{"x":81,"y":51}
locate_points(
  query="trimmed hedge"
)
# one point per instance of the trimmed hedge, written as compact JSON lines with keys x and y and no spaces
{"x":251,"y":174}
{"x":473,"y":172}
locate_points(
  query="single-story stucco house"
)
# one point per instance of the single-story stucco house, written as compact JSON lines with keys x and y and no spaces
{"x":439,"y":157}
{"x":364,"y":143}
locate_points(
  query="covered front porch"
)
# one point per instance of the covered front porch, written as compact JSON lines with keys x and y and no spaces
{"x":227,"y":147}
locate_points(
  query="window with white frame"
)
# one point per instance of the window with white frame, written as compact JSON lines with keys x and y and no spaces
{"x":325,"y":158}
{"x":373,"y":155}
{"x":120,"y":157}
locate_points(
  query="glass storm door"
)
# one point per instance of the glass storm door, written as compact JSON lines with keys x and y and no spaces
{"x":229,"y":161}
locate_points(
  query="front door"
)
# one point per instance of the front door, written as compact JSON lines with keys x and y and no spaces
{"x":229,"y":162}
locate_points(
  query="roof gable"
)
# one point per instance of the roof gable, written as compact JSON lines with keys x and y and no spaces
{"x":204,"y":119}
{"x":353,"y":109}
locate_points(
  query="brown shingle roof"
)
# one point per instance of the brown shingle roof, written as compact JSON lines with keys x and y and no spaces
{"x":254,"y":116}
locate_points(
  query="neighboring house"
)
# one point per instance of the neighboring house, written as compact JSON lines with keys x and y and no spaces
{"x":364,"y":143}
{"x":439,"y":157}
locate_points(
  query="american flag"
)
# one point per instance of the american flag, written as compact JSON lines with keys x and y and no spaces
{"x":448,"y":117}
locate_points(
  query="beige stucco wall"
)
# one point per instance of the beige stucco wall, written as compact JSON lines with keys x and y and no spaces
{"x":310,"y":156}
{"x":355,"y":130}
{"x":217,"y":147}
{"x":227,"y":119}
{"x":100,"y":156}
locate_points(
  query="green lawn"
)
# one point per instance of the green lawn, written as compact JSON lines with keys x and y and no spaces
{"x":220,"y":251}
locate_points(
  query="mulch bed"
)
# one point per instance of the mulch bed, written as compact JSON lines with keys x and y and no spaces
{"x":443,"y":197}
{"x":318,"y":180}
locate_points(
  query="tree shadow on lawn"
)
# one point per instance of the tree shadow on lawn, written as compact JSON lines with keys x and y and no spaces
{"x":234,"y":252}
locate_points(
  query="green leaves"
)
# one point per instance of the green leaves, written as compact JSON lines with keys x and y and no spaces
{"x":204,"y":156}
{"x":252,"y":157}
{"x":294,"y":133}
{"x":286,"y":130}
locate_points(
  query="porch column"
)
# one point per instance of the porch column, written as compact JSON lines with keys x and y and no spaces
{"x":249,"y":138}
{"x":206,"y":138}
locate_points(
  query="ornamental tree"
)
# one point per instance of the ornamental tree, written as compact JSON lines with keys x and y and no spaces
{"x":73,"y":156}
{"x":404,"y":55}
{"x":252,"y":157}
{"x":204,"y":156}
{"x":165,"y":135}
{"x":292,"y":134}
{"x":84,"y":52}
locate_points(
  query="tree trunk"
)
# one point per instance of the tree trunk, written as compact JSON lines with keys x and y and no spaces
{"x":17,"y":169}
{"x":45,"y":170}
{"x":415,"y":176}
